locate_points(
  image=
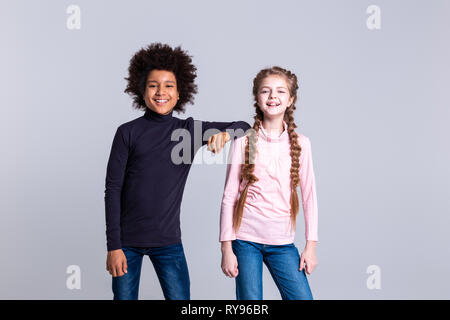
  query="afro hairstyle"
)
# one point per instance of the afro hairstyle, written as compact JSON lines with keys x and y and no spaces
{"x":161,"y":57}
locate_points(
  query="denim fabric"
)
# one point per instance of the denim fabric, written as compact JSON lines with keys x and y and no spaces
{"x":283,"y":262}
{"x":170,"y":266}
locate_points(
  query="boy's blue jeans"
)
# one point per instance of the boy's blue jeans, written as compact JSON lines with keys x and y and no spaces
{"x":170,"y":266}
{"x":283,"y":262}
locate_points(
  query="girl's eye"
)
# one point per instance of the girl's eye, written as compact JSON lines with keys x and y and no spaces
{"x":264,"y":91}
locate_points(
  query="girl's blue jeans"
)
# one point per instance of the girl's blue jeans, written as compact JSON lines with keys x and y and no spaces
{"x":283,"y":262}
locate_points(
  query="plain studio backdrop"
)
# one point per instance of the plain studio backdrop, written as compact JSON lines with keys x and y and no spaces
{"x":374,"y":103}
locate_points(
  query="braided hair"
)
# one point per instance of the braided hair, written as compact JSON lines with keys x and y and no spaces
{"x":247,"y":172}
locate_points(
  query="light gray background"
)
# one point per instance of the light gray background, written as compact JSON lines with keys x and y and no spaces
{"x":373,"y":103}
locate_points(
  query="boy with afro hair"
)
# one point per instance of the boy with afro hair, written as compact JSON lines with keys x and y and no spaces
{"x":144,"y":183}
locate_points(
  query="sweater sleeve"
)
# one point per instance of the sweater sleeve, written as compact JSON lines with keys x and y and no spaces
{"x":231,"y":190}
{"x":236,"y":129}
{"x":115,"y":174}
{"x":308,"y":190}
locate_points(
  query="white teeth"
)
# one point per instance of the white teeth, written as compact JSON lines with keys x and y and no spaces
{"x":161,"y":101}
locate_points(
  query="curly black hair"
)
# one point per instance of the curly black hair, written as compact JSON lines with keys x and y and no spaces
{"x":161,"y":57}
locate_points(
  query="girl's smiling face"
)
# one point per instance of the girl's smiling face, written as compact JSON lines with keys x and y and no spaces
{"x":161,"y":93}
{"x":274,"y":96}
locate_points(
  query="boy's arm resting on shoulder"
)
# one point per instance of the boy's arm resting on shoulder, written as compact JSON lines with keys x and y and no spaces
{"x":308,"y":191}
{"x":235,"y":129}
{"x":231,"y":191}
{"x":115,"y":174}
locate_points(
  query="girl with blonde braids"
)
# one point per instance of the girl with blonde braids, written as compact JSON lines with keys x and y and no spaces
{"x":260,"y":201}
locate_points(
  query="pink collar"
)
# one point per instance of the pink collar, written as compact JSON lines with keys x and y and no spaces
{"x":272,"y":138}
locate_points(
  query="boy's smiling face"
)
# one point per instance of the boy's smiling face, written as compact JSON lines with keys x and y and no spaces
{"x":161,"y":92}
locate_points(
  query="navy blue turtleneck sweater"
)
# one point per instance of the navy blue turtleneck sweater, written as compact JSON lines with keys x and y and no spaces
{"x":144,"y":186}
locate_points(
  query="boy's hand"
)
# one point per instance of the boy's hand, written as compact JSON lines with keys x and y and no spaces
{"x":116,"y":263}
{"x":217,"y":142}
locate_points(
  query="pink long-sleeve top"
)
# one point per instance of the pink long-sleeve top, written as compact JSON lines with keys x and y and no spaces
{"x":266,"y":218}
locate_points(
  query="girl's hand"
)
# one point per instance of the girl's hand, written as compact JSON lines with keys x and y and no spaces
{"x":229,"y":263}
{"x":309,"y":258}
{"x":217,"y":142}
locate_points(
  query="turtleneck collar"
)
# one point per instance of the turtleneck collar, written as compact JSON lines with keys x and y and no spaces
{"x":154,"y":116}
{"x":273,"y":138}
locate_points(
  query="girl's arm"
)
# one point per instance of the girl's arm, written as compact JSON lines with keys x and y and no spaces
{"x":231,"y":190}
{"x":230,"y":197}
{"x":308,"y":191}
